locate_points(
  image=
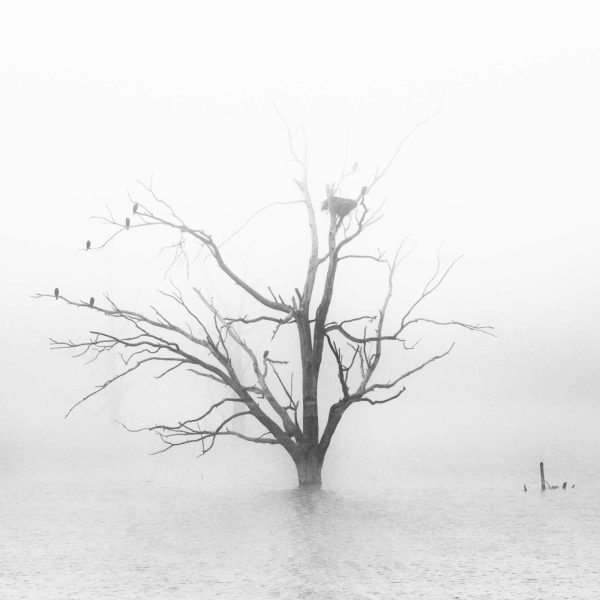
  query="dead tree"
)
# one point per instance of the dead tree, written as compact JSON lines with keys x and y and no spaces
{"x":204,"y":345}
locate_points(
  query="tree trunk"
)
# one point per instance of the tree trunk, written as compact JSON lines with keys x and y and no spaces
{"x":308,"y":465}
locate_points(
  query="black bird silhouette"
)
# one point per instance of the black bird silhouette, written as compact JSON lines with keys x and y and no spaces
{"x":92,"y":301}
{"x":56,"y":293}
{"x":88,"y":245}
{"x":135,"y":207}
{"x":524,"y":488}
{"x":127,"y":222}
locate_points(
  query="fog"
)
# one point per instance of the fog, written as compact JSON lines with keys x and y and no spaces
{"x":506,"y":174}
{"x":422,"y":497}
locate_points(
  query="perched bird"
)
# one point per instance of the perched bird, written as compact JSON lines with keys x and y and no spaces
{"x":524,"y":488}
{"x":92,"y":301}
{"x":127,"y":222}
{"x":364,"y":190}
{"x":564,"y":485}
{"x":56,"y":293}
{"x":88,"y":245}
{"x":135,"y":207}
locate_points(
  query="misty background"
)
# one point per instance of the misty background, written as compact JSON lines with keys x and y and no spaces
{"x":93,"y":99}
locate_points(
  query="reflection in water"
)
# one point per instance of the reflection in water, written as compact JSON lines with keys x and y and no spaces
{"x":137,"y":541}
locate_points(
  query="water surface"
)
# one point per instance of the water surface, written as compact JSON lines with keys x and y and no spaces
{"x":376,"y":536}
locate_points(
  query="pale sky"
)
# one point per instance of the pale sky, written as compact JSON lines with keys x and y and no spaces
{"x":94,"y":97}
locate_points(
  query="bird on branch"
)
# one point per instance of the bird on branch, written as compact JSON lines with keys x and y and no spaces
{"x":92,"y":301}
{"x":88,"y":245}
{"x":135,"y":207}
{"x":56,"y":292}
{"x":127,"y":222}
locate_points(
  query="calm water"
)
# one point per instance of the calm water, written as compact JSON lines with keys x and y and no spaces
{"x":399,"y":536}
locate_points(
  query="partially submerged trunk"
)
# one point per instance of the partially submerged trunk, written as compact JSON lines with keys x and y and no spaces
{"x":308,"y":464}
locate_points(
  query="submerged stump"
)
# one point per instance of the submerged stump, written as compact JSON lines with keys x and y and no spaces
{"x":542,"y":476}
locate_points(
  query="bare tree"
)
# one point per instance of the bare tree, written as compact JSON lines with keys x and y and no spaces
{"x":198,"y":337}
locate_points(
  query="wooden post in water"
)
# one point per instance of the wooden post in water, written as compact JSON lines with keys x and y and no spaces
{"x":542,"y":476}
